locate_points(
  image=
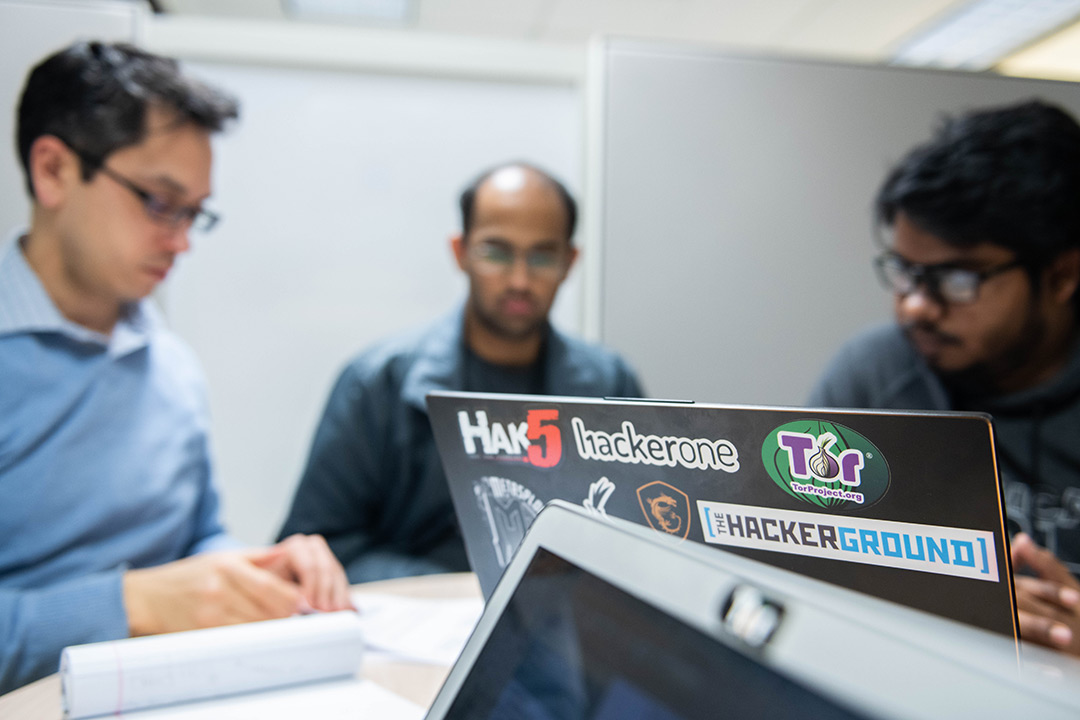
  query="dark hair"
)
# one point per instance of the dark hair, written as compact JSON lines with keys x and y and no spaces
{"x":94,"y":96}
{"x":1008,"y":176}
{"x":468,"y":196}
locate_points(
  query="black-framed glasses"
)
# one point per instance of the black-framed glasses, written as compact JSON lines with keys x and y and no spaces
{"x":494,"y":258}
{"x":163,"y":211}
{"x":944,"y":282}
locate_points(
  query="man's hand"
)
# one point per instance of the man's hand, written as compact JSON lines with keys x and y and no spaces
{"x":307,"y":561}
{"x":1049,"y":603}
{"x":222,"y":588}
{"x":298,"y":574}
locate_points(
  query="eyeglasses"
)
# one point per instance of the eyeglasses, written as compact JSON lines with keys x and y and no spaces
{"x":944,"y":282}
{"x":493,"y":258}
{"x":161,"y":210}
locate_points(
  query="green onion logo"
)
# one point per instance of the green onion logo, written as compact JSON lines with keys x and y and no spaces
{"x":825,"y":464}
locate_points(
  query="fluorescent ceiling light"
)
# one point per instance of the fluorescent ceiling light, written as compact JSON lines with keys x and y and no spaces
{"x":982,"y":32}
{"x":382,"y":11}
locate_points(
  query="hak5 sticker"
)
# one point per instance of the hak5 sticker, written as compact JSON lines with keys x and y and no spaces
{"x":825,"y":464}
{"x":536,"y":441}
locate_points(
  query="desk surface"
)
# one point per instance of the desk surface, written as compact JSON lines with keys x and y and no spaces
{"x":416,"y":682}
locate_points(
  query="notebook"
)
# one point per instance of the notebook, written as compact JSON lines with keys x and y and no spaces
{"x":905,"y":506}
{"x":597,"y":619}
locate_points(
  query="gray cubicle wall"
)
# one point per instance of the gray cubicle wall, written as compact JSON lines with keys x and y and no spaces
{"x":733,"y":201}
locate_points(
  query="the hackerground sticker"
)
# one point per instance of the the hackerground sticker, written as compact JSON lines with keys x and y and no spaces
{"x":959,"y":552}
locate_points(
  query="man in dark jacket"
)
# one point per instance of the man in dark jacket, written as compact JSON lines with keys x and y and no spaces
{"x":374,"y":484}
{"x":984,"y":262}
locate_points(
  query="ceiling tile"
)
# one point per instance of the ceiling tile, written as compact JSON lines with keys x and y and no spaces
{"x":867,"y":30}
{"x":857,"y":28}
{"x":692,"y":19}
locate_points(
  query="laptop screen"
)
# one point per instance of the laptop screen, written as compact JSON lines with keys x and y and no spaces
{"x":571,"y":646}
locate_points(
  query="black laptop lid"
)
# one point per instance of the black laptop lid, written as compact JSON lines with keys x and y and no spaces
{"x":904,"y":506}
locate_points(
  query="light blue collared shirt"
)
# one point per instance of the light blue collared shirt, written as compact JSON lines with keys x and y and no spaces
{"x":104,"y":465}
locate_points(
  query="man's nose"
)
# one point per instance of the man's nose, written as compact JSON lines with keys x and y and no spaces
{"x":519,"y":273}
{"x":919,"y":305}
{"x":176,"y":238}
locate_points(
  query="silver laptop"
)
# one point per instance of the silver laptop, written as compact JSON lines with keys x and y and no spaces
{"x":902,"y":505}
{"x":602,"y":618}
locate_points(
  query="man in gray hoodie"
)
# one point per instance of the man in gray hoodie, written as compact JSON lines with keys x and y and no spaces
{"x":981,"y":251}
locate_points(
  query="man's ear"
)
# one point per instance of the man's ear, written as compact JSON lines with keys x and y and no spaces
{"x":1063,"y":276}
{"x":571,"y":261}
{"x":52,"y":167}
{"x":457,"y":245}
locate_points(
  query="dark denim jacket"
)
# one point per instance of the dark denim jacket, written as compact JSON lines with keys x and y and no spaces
{"x":374,"y":485}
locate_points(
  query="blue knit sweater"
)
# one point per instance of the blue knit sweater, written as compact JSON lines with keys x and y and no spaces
{"x":104,"y":465}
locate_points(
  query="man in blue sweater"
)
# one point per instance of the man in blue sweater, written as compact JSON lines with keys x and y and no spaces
{"x":109,"y":520}
{"x":983,"y":260}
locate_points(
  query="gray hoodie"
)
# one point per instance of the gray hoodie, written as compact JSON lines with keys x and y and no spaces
{"x":1037,"y":431}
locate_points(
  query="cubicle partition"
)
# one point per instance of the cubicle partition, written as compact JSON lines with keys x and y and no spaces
{"x":732,"y":206}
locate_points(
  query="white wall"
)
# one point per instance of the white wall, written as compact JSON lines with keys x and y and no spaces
{"x":338,"y":191}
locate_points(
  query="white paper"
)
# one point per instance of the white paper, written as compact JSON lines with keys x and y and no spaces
{"x":123,"y":675}
{"x":417,"y":629}
{"x":336,"y":700}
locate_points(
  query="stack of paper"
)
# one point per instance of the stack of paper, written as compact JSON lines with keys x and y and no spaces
{"x":425,"y":630}
{"x":123,"y":675}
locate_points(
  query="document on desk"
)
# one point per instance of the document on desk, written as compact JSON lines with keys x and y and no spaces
{"x":424,"y":630}
{"x":125,"y":675}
